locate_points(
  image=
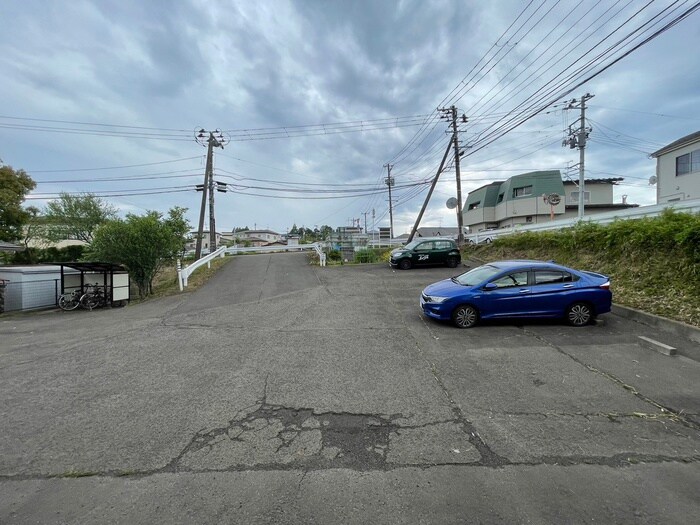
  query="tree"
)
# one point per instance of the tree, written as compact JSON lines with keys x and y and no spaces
{"x":33,"y":226}
{"x":142,"y":243}
{"x":14,"y":186}
{"x":76,"y":217}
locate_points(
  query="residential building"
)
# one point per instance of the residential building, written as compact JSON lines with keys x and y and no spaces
{"x":536,"y":197}
{"x":192,"y":242}
{"x":435,"y":231}
{"x":597,"y":197}
{"x":265,"y":235}
{"x":518,"y":200}
{"x":678,"y":170}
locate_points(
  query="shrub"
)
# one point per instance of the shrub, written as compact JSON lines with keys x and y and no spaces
{"x":365,"y":256}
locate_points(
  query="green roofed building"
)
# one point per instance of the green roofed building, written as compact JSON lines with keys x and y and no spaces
{"x":535,"y":197}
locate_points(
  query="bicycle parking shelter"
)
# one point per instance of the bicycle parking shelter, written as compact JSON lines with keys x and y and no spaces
{"x":112,"y":277}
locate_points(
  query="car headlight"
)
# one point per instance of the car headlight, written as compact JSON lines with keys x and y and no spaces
{"x":398,"y":254}
{"x":436,"y":299}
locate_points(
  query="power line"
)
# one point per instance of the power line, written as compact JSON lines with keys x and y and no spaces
{"x":114,"y":167}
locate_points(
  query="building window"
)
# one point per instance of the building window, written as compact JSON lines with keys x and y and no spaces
{"x":474,"y":205}
{"x":524,"y":190}
{"x":500,"y":197}
{"x":574,"y":196}
{"x":688,"y":163}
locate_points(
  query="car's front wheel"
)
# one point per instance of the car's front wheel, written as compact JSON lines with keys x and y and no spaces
{"x":452,"y":262}
{"x":465,"y":316}
{"x":405,"y":264}
{"x":579,"y":314}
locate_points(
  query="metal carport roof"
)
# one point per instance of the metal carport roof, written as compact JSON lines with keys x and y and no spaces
{"x":92,"y":266}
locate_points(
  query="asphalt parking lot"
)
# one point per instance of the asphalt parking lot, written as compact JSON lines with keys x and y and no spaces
{"x":286,"y":393}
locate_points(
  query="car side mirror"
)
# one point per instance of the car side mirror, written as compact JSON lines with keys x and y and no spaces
{"x":489,"y":286}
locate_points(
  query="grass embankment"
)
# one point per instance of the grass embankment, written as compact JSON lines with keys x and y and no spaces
{"x":654,"y":264}
{"x":165,"y":282}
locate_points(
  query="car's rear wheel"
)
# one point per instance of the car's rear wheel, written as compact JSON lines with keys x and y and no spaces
{"x":465,"y":316}
{"x":405,"y":264}
{"x":452,"y":262}
{"x":579,"y":314}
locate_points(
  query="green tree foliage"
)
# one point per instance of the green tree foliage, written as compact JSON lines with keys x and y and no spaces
{"x":14,"y":186}
{"x":48,"y":255}
{"x":75,"y":217}
{"x":32,"y":228}
{"x":142,"y":243}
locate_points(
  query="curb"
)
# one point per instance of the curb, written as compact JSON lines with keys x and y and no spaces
{"x":667,"y":325}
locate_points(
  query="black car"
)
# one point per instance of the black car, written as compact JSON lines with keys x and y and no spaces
{"x":426,"y":251}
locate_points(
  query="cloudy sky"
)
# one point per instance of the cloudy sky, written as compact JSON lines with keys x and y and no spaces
{"x":313,"y":98}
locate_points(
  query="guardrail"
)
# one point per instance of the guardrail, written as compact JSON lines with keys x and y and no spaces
{"x":689,"y":206}
{"x":184,"y":273}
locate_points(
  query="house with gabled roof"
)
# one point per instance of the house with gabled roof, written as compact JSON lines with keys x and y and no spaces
{"x":678,"y":170}
{"x":535,"y":197}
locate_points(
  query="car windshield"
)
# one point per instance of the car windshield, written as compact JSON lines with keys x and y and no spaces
{"x":477,"y":275}
{"x":411,"y":245}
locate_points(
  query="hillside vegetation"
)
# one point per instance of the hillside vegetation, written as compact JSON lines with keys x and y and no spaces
{"x":653,"y":263}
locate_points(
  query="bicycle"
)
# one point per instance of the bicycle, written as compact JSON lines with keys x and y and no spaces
{"x":70,"y":301}
{"x":95,"y":298}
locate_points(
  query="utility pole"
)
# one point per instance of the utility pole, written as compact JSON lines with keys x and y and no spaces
{"x":577,"y":139}
{"x":430,"y":192}
{"x":451,"y":114}
{"x":212,"y":142}
{"x":390,"y":182}
{"x":365,"y":214}
{"x":374,"y":227}
{"x":460,"y":219}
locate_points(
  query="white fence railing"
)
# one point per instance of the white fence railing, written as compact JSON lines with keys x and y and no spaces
{"x":689,"y":206}
{"x":184,"y":273}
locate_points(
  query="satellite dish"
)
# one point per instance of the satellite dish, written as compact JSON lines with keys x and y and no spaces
{"x":554,"y":199}
{"x":451,"y":203}
{"x":652,"y":180}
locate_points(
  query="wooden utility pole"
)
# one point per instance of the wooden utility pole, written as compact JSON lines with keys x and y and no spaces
{"x":212,"y":142}
{"x":430,"y":192}
{"x":455,"y":142}
{"x":390,"y":182}
{"x":200,"y":230}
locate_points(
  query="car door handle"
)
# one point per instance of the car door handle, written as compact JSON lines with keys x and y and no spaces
{"x":568,"y":286}
{"x":525,"y":291}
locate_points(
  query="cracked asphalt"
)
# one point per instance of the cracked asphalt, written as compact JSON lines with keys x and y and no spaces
{"x":286,"y":393}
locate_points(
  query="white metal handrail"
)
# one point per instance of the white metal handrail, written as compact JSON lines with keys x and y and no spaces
{"x":184,"y":273}
{"x":233,"y":250}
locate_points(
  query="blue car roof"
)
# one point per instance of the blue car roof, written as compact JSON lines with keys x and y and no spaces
{"x":526,"y":262}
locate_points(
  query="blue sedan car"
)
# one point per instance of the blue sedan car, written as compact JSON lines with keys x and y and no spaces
{"x":507,"y":289}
